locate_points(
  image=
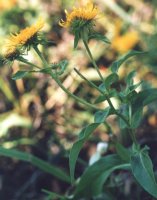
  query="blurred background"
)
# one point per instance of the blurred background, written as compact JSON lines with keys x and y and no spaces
{"x":37,"y":117}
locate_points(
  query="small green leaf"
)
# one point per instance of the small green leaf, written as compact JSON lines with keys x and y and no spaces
{"x":53,"y":195}
{"x":142,"y":170}
{"x":136,"y":118}
{"x":100,"y":99}
{"x":91,"y":182}
{"x":144,"y":98}
{"x":19,"y":75}
{"x":122,"y":152}
{"x":129,"y":78}
{"x":102,"y":87}
{"x":112,"y":78}
{"x":76,"y":148}
{"x":62,"y":65}
{"x":99,"y":36}
{"x":124,"y":111}
{"x":115,"y":65}
{"x":100,"y":116}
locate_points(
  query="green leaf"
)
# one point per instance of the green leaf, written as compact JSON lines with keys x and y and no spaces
{"x":115,"y":65}
{"x":142,"y":170}
{"x":144,"y":98}
{"x":63,"y":65}
{"x":124,"y":111}
{"x":53,"y":195}
{"x":98,"y":36}
{"x":112,"y":78}
{"x":100,"y":99}
{"x":19,"y":75}
{"x":76,"y":148}
{"x":129,"y":78}
{"x":136,"y":118}
{"x":102,"y":87}
{"x":91,"y":182}
{"x":122,"y":152}
{"x":43,"y":165}
{"x":100,"y":116}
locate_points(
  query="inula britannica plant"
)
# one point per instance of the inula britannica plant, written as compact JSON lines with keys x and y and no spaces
{"x":135,"y":160}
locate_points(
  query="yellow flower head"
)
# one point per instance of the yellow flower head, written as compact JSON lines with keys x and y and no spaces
{"x":125,"y":42}
{"x":4,"y":5}
{"x":82,"y":14}
{"x":80,"y":21}
{"x":25,"y":38}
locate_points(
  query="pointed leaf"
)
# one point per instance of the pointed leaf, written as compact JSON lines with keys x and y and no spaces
{"x":144,"y":98}
{"x":129,"y":78}
{"x":91,"y":182}
{"x":115,"y":65}
{"x":100,"y":116}
{"x":122,"y":152}
{"x":76,"y":148}
{"x":142,"y":170}
{"x":112,"y":78}
{"x":136,"y":118}
{"x":63,"y":65}
{"x":100,"y":99}
{"x":19,"y":75}
{"x":41,"y":164}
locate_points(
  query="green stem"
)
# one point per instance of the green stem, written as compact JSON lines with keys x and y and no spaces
{"x":93,"y":61}
{"x":72,"y":95}
{"x":132,"y":135}
{"x":40,"y":55}
{"x":60,"y":84}
{"x":88,"y":81}
{"x":131,"y":131}
{"x":107,"y":98}
{"x":29,"y":63}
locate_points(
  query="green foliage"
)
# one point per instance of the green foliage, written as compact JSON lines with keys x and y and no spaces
{"x":116,"y":64}
{"x":91,"y":182}
{"x":98,"y":36}
{"x":112,"y":78}
{"x":53,"y":195}
{"x":122,"y":152}
{"x":100,"y":116}
{"x":129,"y":114}
{"x":19,"y":75}
{"x":74,"y":152}
{"x":142,"y":169}
{"x":43,"y":165}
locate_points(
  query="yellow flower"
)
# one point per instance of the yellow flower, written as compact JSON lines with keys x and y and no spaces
{"x":85,"y":13}
{"x":7,"y":4}
{"x":125,"y":42}
{"x":23,"y":39}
